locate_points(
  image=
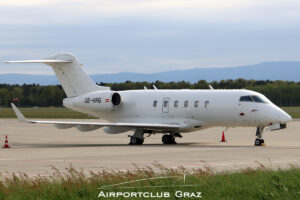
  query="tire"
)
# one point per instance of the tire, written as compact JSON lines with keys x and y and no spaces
{"x":165,"y":139}
{"x":258,"y":142}
{"x":136,"y":141}
{"x":140,"y":141}
{"x":168,"y":139}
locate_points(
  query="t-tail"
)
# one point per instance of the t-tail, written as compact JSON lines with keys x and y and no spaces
{"x":70,"y":74}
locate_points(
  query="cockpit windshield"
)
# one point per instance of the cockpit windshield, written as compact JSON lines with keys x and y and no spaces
{"x":253,"y":98}
{"x":246,"y":98}
{"x":258,"y":99}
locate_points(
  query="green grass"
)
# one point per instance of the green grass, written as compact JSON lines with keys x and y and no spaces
{"x":63,"y":113}
{"x":261,"y":183}
{"x":50,"y":112}
{"x":293,"y":111}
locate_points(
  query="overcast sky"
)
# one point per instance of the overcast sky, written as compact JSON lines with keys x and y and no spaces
{"x":147,"y":36}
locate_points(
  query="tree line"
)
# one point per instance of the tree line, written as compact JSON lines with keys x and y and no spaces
{"x":282,"y":93}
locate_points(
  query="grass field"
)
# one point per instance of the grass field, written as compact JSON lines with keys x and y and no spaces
{"x":53,"y":112}
{"x":261,"y":183}
{"x":293,"y":111}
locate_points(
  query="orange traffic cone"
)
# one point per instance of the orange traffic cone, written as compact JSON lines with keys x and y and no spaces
{"x":223,"y":137}
{"x":6,"y":145}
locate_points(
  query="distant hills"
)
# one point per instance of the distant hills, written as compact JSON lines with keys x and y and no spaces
{"x":264,"y":71}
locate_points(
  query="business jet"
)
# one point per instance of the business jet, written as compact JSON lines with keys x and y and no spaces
{"x":151,"y":111}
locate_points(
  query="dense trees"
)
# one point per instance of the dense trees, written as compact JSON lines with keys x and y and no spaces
{"x":31,"y":95}
{"x":282,"y":93}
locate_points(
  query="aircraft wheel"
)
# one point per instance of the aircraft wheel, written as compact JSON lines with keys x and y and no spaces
{"x":259,"y":142}
{"x":164,"y":139}
{"x":136,"y":141}
{"x":168,"y":139}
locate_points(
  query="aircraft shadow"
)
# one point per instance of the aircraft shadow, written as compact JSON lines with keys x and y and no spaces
{"x":179,"y":145}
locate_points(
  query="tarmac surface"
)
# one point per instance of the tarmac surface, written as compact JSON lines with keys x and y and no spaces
{"x":36,"y":148}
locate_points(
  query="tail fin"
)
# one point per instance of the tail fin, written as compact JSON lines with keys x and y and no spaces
{"x":73,"y":79}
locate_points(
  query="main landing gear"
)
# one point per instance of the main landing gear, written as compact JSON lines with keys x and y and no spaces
{"x":137,"y":138}
{"x":170,"y":139}
{"x":259,"y":132}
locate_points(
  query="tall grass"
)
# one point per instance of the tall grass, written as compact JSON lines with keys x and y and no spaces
{"x":261,"y":183}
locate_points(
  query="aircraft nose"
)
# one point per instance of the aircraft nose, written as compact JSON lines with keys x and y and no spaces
{"x":284,"y":117}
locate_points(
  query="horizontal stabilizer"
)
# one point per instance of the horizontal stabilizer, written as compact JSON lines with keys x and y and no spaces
{"x":40,"y":61}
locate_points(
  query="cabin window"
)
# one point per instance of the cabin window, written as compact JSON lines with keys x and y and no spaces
{"x":186,"y":104}
{"x":206,"y":104}
{"x":196,"y":104}
{"x":155,"y":103}
{"x":166,"y":104}
{"x":176,"y":104}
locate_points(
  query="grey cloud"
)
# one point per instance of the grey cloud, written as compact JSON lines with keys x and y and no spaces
{"x":144,"y":43}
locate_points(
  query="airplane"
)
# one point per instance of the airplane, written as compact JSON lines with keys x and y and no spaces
{"x":151,"y":111}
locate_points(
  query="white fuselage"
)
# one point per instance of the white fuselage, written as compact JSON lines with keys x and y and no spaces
{"x":195,"y":109}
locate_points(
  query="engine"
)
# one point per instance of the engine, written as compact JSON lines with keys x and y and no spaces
{"x":99,"y":101}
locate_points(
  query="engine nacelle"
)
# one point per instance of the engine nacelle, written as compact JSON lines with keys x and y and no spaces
{"x":99,"y":101}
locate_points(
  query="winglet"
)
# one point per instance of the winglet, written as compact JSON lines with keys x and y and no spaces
{"x":20,"y":116}
{"x":210,"y":87}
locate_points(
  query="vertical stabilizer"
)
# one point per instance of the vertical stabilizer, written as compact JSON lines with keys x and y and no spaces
{"x":71,"y":76}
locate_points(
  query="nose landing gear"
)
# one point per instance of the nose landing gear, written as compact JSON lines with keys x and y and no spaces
{"x":259,"y":132}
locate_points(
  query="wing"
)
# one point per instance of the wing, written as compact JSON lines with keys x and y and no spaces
{"x":21,"y":118}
